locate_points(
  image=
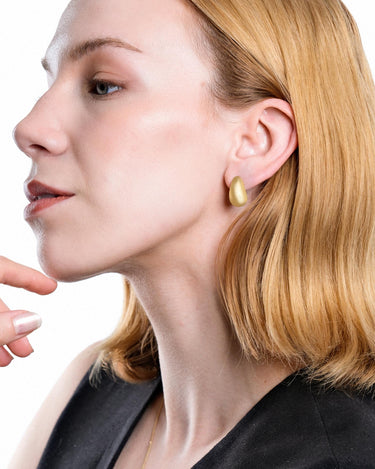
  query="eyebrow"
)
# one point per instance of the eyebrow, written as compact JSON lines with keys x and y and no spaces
{"x":84,"y":48}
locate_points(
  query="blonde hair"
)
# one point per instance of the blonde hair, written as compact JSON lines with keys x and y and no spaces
{"x":296,"y":269}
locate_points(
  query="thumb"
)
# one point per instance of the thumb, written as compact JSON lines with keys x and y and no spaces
{"x":16,"y":324}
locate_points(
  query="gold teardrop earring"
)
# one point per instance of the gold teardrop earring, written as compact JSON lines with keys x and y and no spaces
{"x":237,"y":192}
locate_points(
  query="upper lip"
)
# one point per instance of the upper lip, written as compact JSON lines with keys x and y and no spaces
{"x":35,"y":189}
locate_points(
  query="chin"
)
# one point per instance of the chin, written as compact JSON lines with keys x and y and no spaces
{"x":61,"y":273}
{"x":62,"y":268}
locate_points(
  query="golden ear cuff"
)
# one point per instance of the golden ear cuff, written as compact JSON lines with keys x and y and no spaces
{"x":237,"y":192}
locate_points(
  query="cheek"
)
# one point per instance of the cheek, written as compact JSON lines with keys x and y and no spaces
{"x":146,"y":180}
{"x":164,"y":156}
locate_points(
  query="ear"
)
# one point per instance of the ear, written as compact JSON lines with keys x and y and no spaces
{"x":265,"y":139}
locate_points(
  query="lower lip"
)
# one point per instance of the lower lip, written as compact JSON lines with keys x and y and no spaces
{"x":42,"y":204}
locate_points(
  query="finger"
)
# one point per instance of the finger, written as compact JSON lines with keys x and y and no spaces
{"x":3,"y":306}
{"x":17,"y":324}
{"x":5,"y":357}
{"x":21,"y":347}
{"x":18,"y":275}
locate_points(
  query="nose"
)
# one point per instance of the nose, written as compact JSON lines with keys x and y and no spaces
{"x":41,"y":131}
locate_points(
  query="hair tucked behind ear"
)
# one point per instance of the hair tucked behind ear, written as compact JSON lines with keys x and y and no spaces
{"x":296,"y":269}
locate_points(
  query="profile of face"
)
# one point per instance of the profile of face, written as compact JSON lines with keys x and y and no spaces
{"x":128,"y":136}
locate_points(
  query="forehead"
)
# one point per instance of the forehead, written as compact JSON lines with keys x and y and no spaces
{"x":153,"y":26}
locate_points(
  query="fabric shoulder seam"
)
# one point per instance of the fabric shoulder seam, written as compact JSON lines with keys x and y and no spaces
{"x":325,"y":430}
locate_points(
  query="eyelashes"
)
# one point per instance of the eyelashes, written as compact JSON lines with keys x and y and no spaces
{"x":103,"y":88}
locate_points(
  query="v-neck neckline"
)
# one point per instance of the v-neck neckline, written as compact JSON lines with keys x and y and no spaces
{"x":244,"y":421}
{"x":148,"y":392}
{"x":145,"y":394}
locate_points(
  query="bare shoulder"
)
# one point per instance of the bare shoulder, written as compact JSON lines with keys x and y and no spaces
{"x":36,"y":436}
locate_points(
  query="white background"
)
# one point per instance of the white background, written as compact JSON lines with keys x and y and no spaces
{"x":76,"y":314}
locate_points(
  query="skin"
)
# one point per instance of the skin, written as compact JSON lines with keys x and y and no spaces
{"x":17,"y":275}
{"x":149,"y":165}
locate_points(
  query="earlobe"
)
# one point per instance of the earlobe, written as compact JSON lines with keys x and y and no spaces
{"x":268,"y":138}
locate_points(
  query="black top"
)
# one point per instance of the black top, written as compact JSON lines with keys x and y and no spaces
{"x":295,"y":426}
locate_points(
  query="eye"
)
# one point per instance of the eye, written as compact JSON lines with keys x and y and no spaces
{"x":103,"y":88}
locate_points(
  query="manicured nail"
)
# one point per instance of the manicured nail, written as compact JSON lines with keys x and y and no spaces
{"x":26,"y":322}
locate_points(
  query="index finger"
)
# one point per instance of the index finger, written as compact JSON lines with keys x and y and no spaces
{"x":18,"y":275}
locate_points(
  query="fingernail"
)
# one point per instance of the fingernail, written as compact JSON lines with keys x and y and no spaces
{"x":26,"y":322}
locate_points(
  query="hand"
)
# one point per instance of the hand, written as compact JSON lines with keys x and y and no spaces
{"x":15,"y":325}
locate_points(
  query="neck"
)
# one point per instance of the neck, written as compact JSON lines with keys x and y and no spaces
{"x":208,"y":386}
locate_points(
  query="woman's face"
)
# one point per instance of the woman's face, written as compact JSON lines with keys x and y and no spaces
{"x":129,"y":132}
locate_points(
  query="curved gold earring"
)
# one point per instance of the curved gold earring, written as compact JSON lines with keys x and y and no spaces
{"x":237,"y":192}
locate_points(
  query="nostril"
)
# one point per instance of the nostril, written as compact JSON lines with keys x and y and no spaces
{"x":37,"y":147}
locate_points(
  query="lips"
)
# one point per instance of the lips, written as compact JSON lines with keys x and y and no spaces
{"x":42,"y":197}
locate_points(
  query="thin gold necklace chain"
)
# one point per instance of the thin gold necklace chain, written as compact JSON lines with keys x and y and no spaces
{"x":147,"y":455}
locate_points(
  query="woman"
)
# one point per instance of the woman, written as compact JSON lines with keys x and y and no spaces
{"x":166,"y":150}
